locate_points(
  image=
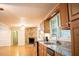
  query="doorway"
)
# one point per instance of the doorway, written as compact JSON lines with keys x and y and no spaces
{"x":14,"y":37}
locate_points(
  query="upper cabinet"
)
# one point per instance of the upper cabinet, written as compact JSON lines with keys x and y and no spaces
{"x":74,"y":18}
{"x":64,"y":15}
{"x":62,"y":9}
{"x":74,"y":11}
{"x":46,"y":26}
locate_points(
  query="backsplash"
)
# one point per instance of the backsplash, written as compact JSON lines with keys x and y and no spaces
{"x":65,"y":35}
{"x":66,"y":44}
{"x":64,"y":48}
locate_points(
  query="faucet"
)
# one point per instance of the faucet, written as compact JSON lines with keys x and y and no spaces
{"x":58,"y":42}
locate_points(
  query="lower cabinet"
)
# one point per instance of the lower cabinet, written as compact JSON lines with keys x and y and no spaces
{"x":42,"y":50}
{"x":75,"y":37}
{"x":45,"y":51}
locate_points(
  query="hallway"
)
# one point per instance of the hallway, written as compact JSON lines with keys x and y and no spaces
{"x":28,"y":50}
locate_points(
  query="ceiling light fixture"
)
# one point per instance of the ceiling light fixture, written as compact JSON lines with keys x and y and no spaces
{"x":1,"y":9}
{"x":22,"y":27}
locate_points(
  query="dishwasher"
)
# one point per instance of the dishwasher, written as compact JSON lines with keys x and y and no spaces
{"x":50,"y":52}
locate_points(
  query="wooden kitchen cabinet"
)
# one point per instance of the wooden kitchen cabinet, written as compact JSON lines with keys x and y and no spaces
{"x":75,"y":37}
{"x":64,"y":15}
{"x":74,"y":18}
{"x":63,"y":11}
{"x":46,"y":26}
{"x":45,"y":50}
{"x":42,"y":50}
{"x":74,"y":11}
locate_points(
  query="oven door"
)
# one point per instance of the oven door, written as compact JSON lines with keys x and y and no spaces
{"x":50,"y":52}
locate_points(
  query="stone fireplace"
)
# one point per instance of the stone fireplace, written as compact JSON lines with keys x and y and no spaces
{"x":30,"y":35}
{"x":31,"y":40}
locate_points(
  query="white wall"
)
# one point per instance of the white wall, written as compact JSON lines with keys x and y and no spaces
{"x":40,"y":34}
{"x":21,"y":37}
{"x":5,"y":35}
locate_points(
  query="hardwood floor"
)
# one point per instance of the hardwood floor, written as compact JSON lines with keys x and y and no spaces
{"x":27,"y":50}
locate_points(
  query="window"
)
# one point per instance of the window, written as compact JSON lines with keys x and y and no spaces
{"x":55,"y":29}
{"x":54,"y":25}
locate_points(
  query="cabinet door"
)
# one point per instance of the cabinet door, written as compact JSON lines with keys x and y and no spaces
{"x":74,"y":11}
{"x":75,"y":37}
{"x":76,"y":40}
{"x":40,"y":49}
{"x":45,"y":51}
{"x":46,"y":26}
{"x":64,"y":15}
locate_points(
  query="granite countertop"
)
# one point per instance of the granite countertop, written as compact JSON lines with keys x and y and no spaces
{"x":58,"y":48}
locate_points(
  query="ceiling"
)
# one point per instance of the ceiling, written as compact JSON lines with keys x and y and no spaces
{"x":30,"y":14}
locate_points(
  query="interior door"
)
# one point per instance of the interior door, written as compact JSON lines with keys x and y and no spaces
{"x":14,"y":37}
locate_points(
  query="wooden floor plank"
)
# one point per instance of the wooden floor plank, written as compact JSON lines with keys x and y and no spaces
{"x":27,"y":50}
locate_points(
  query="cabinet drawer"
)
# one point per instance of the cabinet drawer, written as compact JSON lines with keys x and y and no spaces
{"x":74,"y":11}
{"x":77,"y":52}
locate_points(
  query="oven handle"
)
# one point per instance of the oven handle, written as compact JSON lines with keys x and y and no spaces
{"x":50,"y":52}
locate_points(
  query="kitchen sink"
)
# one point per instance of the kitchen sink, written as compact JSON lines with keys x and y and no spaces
{"x":49,"y":43}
